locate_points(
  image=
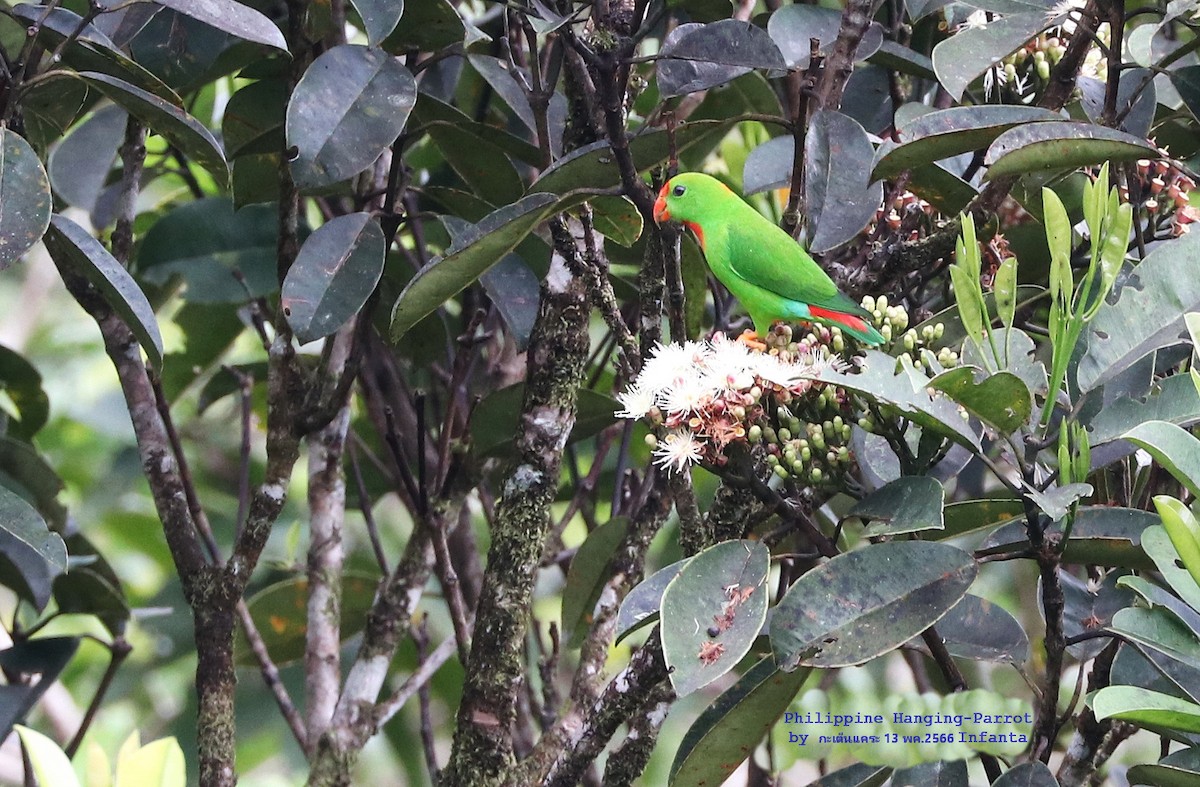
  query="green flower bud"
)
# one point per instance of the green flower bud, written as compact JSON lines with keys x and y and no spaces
{"x":938,"y":330}
{"x":806,"y":453}
{"x":881,"y":303}
{"x":846,"y":432}
{"x":784,"y":435}
{"x":816,"y":475}
{"x":1043,"y":70}
{"x":652,"y":440}
{"x":866,"y":424}
{"x":754,"y":434}
{"x":781,"y":471}
{"x":772,"y":460}
{"x":797,"y":467}
{"x":868,"y":303}
{"x":843,"y":454}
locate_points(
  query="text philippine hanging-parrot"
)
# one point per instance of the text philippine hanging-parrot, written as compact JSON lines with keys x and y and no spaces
{"x":767,"y":271}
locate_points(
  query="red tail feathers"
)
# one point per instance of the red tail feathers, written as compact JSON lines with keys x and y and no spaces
{"x":848,"y":320}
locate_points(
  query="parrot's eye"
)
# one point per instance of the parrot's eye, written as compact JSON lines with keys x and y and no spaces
{"x":678,"y":190}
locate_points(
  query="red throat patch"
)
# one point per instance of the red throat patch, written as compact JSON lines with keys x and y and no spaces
{"x":696,"y":228}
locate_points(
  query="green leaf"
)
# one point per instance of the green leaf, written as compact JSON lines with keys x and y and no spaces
{"x":80,"y":164}
{"x":1061,"y":145}
{"x":1184,"y":531}
{"x":1159,"y":630}
{"x":907,"y":505}
{"x":379,"y":17}
{"x":792,"y":27}
{"x":839,"y":195}
{"x":26,"y":472}
{"x":941,"y":188}
{"x":20,"y":381}
{"x":50,"y":764}
{"x":1157,"y":543}
{"x":234,"y":18}
{"x":481,"y":165}
{"x":32,"y":667}
{"x":1005,"y":288}
{"x":719,"y":603}
{"x":50,"y":106}
{"x":951,"y":132}
{"x":494,"y":422}
{"x":640,"y":607}
{"x":159,"y":763}
{"x":1174,"y":448}
{"x":428,"y":25}
{"x":728,"y":42}
{"x":963,"y":57}
{"x":514,"y":291}
{"x":467,"y":259}
{"x":349,"y":106}
{"x":587,"y":577}
{"x":617,"y":219}
{"x":242,"y":242}
{"x":29,"y":539}
{"x":280,"y":613}
{"x":683,"y":76}
{"x":1151,"y":710}
{"x":968,"y":304}
{"x":1173,"y":399}
{"x":1101,"y":535}
{"x":333,"y":275}
{"x":857,"y":775}
{"x":1027,"y":774}
{"x":429,"y":111}
{"x":864,"y":603}
{"x":1148,"y":315}
{"x":172,"y":123}
{"x":933,"y":774}
{"x":769,"y":165}
{"x":729,"y":729}
{"x":1178,"y":769}
{"x":73,"y":247}
{"x":495,"y":72}
{"x":254,"y":118}
{"x":969,"y":516}
{"x":1089,"y":605}
{"x":1001,"y":400}
{"x":24,"y":198}
{"x":980,"y":630}
{"x":1187,"y":81}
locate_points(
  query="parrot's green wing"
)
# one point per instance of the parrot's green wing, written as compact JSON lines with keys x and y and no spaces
{"x":766,"y":256}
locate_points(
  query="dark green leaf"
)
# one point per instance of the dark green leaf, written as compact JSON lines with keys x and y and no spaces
{"x":497,"y":75}
{"x":253,"y":120}
{"x":717,"y":603}
{"x":181,"y":51}
{"x":243,"y":241}
{"x":379,"y":17}
{"x":333,"y":275}
{"x":428,"y":25}
{"x":73,"y":247}
{"x":864,"y":603}
{"x":82,"y":591}
{"x":729,"y":729}
{"x":857,"y":775}
{"x":971,"y":515}
{"x":24,"y":198}
{"x":50,"y":106}
{"x":494,"y":421}
{"x":980,"y":630}
{"x":351,"y":103}
{"x":729,"y":42}
{"x":79,"y":166}
{"x":1173,"y":447}
{"x":256,"y":179}
{"x":1088,"y":606}
{"x":1187,"y":81}
{"x":429,"y":110}
{"x":1157,"y":544}
{"x":232,"y":17}
{"x":1001,"y":400}
{"x":792,"y":26}
{"x":24,"y":471}
{"x":894,"y":56}
{"x":226,"y":383}
{"x":1136,"y":86}
{"x":1177,"y":769}
{"x":465,"y":261}
{"x":964,"y":56}
{"x":45,"y":658}
{"x":932,"y":774}
{"x":92,"y":51}
{"x":617,"y":219}
{"x":587,"y":577}
{"x":482,"y":166}
{"x":166,"y":119}
{"x":514,"y":291}
{"x":1022,"y":359}
{"x":280,"y":613}
{"x":941,"y":188}
{"x":678,"y":77}
{"x":1027,"y":774}
{"x":20,"y":381}
{"x":950,"y":132}
{"x":1101,"y":535}
{"x":839,"y":197}
{"x":1149,"y":313}
{"x":906,"y":505}
{"x":1038,"y":147}
{"x":641,"y":606}
{"x":1159,"y":630}
{"x":1173,"y":399}
{"x":28,"y":540}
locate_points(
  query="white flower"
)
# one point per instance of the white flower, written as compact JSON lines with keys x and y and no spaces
{"x":670,"y":363}
{"x":638,"y":402}
{"x":730,"y":365}
{"x":770,"y":369}
{"x":690,"y":394}
{"x":678,"y":450}
{"x":1065,"y":7}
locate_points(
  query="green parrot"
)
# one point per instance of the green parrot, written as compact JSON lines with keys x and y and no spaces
{"x":766,"y":270}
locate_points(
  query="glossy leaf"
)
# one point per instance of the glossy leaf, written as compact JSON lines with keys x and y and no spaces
{"x":907,"y":505}
{"x":495,"y":72}
{"x":1061,"y":145}
{"x":1174,"y":400}
{"x":1027,"y":774}
{"x":729,"y":729}
{"x":166,"y":119}
{"x":73,"y":247}
{"x":969,"y":516}
{"x":839,"y":197}
{"x":1151,"y":710}
{"x":963,"y":57}
{"x":466,"y":260}
{"x":26,"y":539}
{"x":864,"y":603}
{"x":1101,"y":535}
{"x":1089,"y":605}
{"x":678,"y":77}
{"x":333,"y":275}
{"x":242,"y":242}
{"x":617,"y":219}
{"x":234,"y":18}
{"x":950,"y":132}
{"x":379,"y":17}
{"x":729,"y":42}
{"x":27,"y":473}
{"x":515,"y":292}
{"x":641,"y":606}
{"x":481,"y":165}
{"x":1001,"y":399}
{"x":495,"y":420}
{"x":1187,"y":81}
{"x":1157,"y":544}
{"x":792,"y":26}
{"x":981,"y":630}
{"x":1149,"y":313}
{"x":50,"y":764}
{"x":24,"y":197}
{"x":428,"y":25}
{"x":587,"y":577}
{"x":32,"y":667}
{"x":857,"y":775}
{"x":21,"y":383}
{"x":1136,"y":118}
{"x":1184,"y":531}
{"x":1158,"y":630}
{"x":717,"y":603}
{"x":50,"y":106}
{"x":254,"y":118}
{"x":351,"y":103}
{"x":932,"y":774}
{"x":1178,"y":769}
{"x":769,"y":166}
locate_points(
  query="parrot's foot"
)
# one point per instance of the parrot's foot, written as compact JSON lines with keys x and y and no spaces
{"x":751,"y":340}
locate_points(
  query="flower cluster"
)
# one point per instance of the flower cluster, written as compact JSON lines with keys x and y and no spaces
{"x":1164,"y":190}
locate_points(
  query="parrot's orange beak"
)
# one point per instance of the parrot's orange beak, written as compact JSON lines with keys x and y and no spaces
{"x":661,"y":213}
